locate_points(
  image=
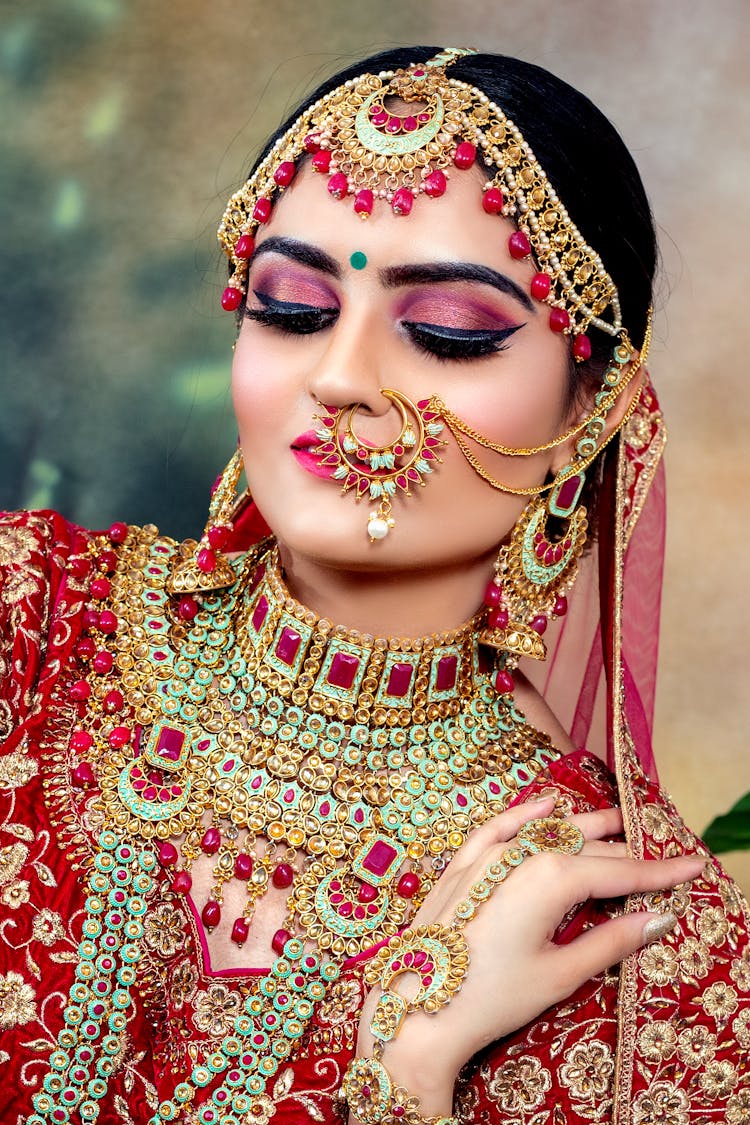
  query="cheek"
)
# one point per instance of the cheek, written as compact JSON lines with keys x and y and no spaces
{"x":257,"y":385}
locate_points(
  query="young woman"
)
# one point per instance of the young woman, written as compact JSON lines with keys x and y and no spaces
{"x":293,"y":830}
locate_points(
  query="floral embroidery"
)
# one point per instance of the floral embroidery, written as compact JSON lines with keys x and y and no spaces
{"x":12,"y":859}
{"x":657,"y":1040}
{"x":182,"y":985}
{"x":659,"y":964}
{"x":738,"y":1109}
{"x":519,"y":1085}
{"x":740,"y":971}
{"x":16,"y":769}
{"x":720,"y":1000}
{"x":741,"y":1028}
{"x":712,"y":925}
{"x":342,"y":1001}
{"x":695,"y":960}
{"x":696,"y":1046}
{"x":589,"y":1070}
{"x":661,"y":1104}
{"x":48,"y":927}
{"x":17,"y":1001}
{"x":719,"y":1079}
{"x":16,"y":894}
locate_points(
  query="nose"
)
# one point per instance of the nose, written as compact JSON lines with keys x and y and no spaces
{"x":350,"y":371}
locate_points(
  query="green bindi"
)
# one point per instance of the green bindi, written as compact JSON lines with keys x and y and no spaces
{"x":358,"y":260}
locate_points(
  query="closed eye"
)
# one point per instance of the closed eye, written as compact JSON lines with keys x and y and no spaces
{"x":458,"y":343}
{"x":291,"y":316}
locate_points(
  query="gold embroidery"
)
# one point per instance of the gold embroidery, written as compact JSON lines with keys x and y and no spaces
{"x":17,"y":1001}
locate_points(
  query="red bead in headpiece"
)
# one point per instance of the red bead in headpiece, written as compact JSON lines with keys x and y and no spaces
{"x":402,"y":202}
{"x":311,"y":143}
{"x":559,"y":319}
{"x":435,"y":184}
{"x":245,"y":246}
{"x":493,"y":201}
{"x":363,"y":202}
{"x":519,"y":245}
{"x":218,"y":536}
{"x":231,"y":298}
{"x":338,"y":185}
{"x":540,"y":286}
{"x":206,"y":560}
{"x":118,"y":532}
{"x":465,"y":155}
{"x":582,"y":347}
{"x":262,"y":210}
{"x":284,"y":174}
{"x":321,"y":162}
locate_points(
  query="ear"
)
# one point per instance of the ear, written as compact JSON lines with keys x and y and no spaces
{"x":584,"y":411}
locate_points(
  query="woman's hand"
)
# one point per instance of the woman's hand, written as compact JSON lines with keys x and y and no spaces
{"x":516,"y":971}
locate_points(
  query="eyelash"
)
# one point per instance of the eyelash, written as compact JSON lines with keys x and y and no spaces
{"x":437,"y":341}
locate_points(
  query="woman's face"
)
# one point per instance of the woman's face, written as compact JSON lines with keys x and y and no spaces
{"x":439,"y":308}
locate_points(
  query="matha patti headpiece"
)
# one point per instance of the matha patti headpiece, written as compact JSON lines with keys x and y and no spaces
{"x":378,"y":157}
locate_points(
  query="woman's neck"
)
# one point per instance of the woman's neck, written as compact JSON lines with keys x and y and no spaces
{"x":407,"y":603}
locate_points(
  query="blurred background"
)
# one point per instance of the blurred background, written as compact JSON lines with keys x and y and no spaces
{"x":124,"y":126}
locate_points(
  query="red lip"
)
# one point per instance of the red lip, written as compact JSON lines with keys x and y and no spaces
{"x":302,"y":449}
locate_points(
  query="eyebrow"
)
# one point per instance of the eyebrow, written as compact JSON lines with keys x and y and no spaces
{"x":301,"y":252}
{"x":433,"y":272}
{"x":397,"y":276}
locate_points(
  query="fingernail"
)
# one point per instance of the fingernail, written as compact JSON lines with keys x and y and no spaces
{"x":660,"y":926}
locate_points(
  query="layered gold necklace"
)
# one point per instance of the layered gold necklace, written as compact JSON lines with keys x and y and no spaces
{"x":344,"y":768}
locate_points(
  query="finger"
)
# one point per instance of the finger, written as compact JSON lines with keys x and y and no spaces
{"x":500,"y":829}
{"x":605,"y":945}
{"x":573,"y":879}
{"x":605,"y":849}
{"x":599,"y":824}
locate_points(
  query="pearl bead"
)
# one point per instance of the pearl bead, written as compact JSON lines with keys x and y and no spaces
{"x":377,"y":528}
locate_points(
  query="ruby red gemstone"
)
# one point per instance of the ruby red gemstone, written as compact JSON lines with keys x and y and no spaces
{"x":79,"y":568}
{"x":81,"y":741}
{"x":244,"y":246}
{"x":284,"y":174}
{"x":243,"y":866}
{"x":493,"y":201}
{"x":558,"y":319}
{"x":240,"y":930}
{"x":338,"y":185}
{"x":311,"y":143}
{"x":408,"y":884}
{"x":447,"y":670}
{"x":260,"y":612}
{"x":119,"y":737}
{"x":539,"y":623}
{"x":465,"y":155}
{"x":379,"y":858}
{"x":218,"y":536}
{"x":79,"y":691}
{"x":402,"y":201}
{"x":170,"y":743}
{"x":211,"y":841}
{"x":211,"y":914}
{"x":187,"y":608}
{"x":363,"y":202}
{"x":519,"y":245}
{"x":567,"y":492}
{"x":262,"y":210}
{"x":106,"y":561}
{"x":279,"y":940}
{"x":231,"y":298}
{"x":168,"y":854}
{"x":343,"y":670}
{"x":102,"y":662}
{"x":540,"y":286}
{"x":493,"y":594}
{"x":367,"y":893}
{"x":83,"y":775}
{"x":582,"y":347}
{"x":504,"y":682}
{"x":118,"y":532}
{"x":182,"y":882}
{"x":85,"y":648}
{"x":435,"y":184}
{"x":288,"y":645}
{"x":321,"y":161}
{"x":100,"y":588}
{"x":206,"y":560}
{"x":399,"y":680}
{"x":283,"y":875}
{"x":498,"y":618}
{"x":560,"y":608}
{"x":107,"y":621}
{"x":91,"y":618}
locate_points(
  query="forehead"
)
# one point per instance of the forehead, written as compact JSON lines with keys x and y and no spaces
{"x":451,"y":227}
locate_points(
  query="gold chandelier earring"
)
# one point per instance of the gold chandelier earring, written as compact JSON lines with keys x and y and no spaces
{"x":202,"y":566}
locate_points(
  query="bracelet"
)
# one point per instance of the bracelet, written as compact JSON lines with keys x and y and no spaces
{"x":374,"y":1099}
{"x":438,"y":954}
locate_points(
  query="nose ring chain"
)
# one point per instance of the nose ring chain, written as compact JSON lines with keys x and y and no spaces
{"x":380,"y":472}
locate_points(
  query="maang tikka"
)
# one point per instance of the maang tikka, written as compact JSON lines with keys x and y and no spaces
{"x":380,"y":472}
